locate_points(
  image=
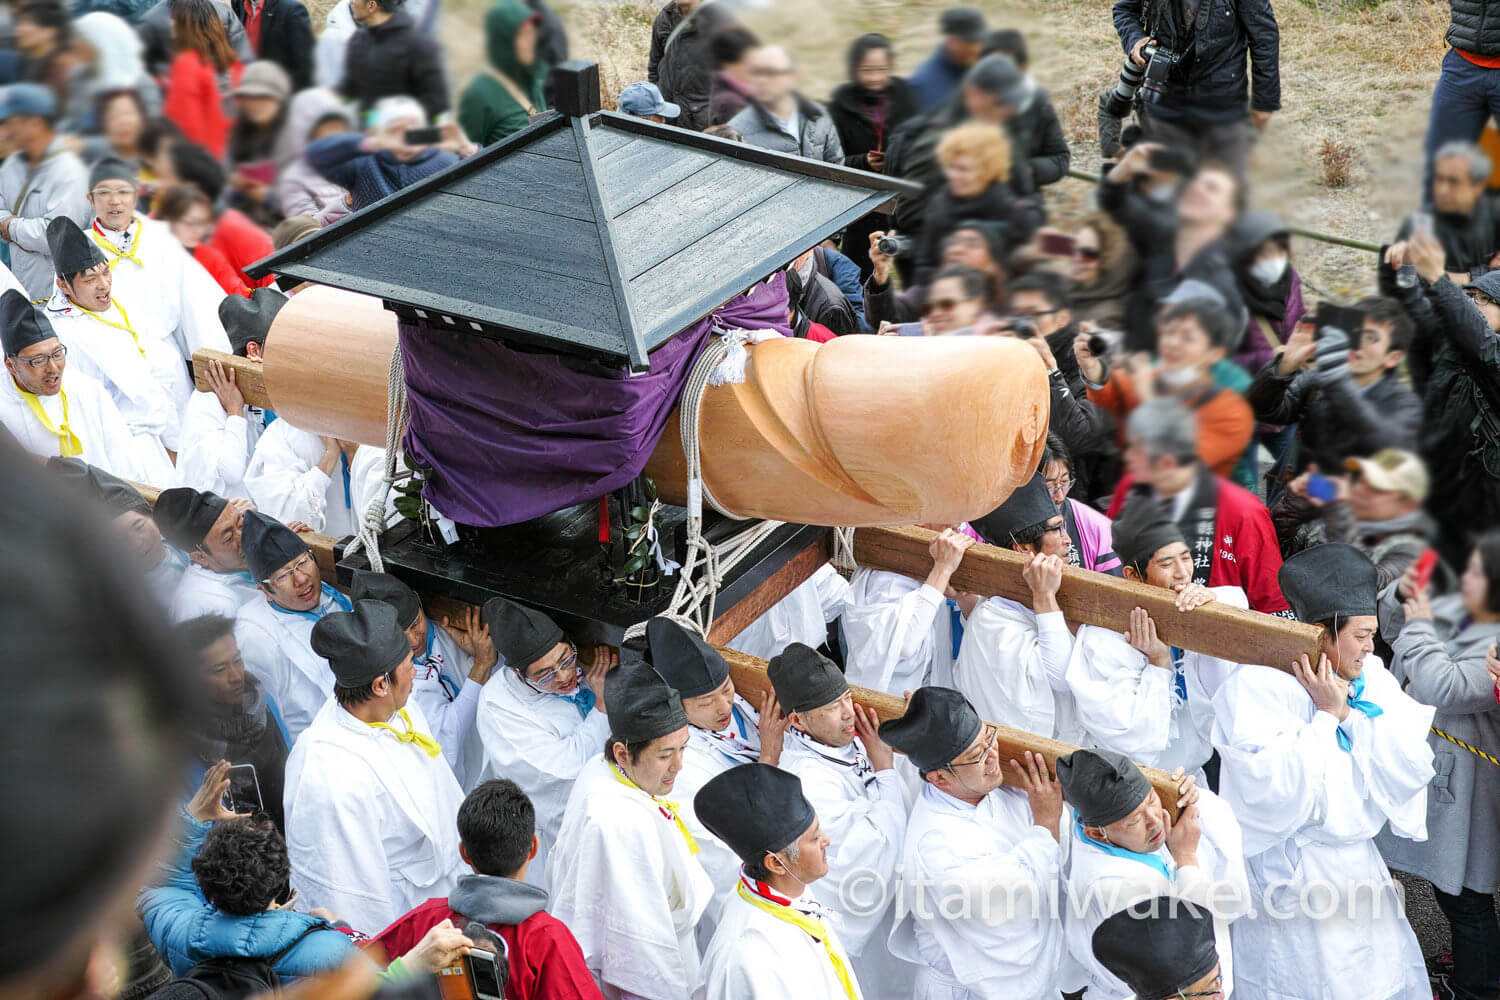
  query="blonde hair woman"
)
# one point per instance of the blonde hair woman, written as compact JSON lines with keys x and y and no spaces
{"x":976,"y":162}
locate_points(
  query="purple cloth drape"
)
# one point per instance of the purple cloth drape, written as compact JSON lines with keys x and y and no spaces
{"x":511,"y":435}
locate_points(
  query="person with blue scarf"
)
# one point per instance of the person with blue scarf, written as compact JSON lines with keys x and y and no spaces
{"x":274,"y":629}
{"x":541,"y":719}
{"x":1125,"y":847}
{"x":1318,"y":759}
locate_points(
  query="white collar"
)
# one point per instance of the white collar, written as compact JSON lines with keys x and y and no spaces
{"x":119,"y":239}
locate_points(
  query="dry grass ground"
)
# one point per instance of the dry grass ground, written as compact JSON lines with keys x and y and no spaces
{"x":1356,"y":84}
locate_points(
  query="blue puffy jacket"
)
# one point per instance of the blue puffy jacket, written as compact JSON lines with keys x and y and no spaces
{"x":187,"y":930}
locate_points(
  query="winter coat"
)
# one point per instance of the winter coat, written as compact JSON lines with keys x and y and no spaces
{"x":1341,"y":420}
{"x":368,"y":177}
{"x":685,"y":71}
{"x":301,"y":190}
{"x":394,"y":59}
{"x":155,"y":28}
{"x":186,"y":930}
{"x":1474,"y":26}
{"x":1440,"y":662}
{"x":729,"y":99}
{"x":1256,"y":347}
{"x":1391,"y":545}
{"x":864,"y":123}
{"x":1469,"y":241}
{"x":1210,"y":85}
{"x":1020,"y":216}
{"x":486,"y":111}
{"x":286,"y":38}
{"x":117,"y":66}
{"x":194,"y":102}
{"x":935,"y":81}
{"x":816,"y":139}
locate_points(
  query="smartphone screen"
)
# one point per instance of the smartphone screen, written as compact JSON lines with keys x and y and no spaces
{"x":1057,"y":244}
{"x":1321,"y":488}
{"x":1425,"y":565}
{"x":423,"y":136}
{"x":484,"y":975}
{"x":244,"y":790}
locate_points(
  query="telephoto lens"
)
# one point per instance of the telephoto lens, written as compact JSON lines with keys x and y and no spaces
{"x":893,"y":244}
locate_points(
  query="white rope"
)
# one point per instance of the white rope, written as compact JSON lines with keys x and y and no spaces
{"x":373,"y":522}
{"x":843,"y":549}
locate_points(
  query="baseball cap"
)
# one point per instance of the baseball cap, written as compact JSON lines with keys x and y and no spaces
{"x":644,"y":100}
{"x":963,"y":22}
{"x":28,"y":99}
{"x":1393,"y":469}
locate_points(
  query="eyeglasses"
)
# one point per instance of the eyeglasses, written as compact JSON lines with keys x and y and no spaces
{"x":568,"y":662}
{"x":1035,"y":315}
{"x":1058,"y":527}
{"x":304,"y":564}
{"x":1217,"y":991}
{"x":1087,"y":253}
{"x":992,"y":736}
{"x":41,"y":360}
{"x":941,"y":305}
{"x":1062,"y":485}
{"x":113,"y":192}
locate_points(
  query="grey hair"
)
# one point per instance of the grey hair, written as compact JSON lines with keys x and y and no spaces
{"x":1164,"y":427}
{"x":1479,"y":161}
{"x":792,"y":851}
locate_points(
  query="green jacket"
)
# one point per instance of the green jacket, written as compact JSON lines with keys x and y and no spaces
{"x":486,"y":111}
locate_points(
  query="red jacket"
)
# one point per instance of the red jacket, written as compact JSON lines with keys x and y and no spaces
{"x":194,"y":103}
{"x":242,"y":243}
{"x":1246,"y":552}
{"x":223,"y":272}
{"x":545,"y":960}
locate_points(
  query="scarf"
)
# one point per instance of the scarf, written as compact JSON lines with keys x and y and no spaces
{"x":763,"y":899}
{"x":1154,"y":861}
{"x":432,"y":662}
{"x":1268,"y":301}
{"x":667,"y":807}
{"x":329,"y":594}
{"x":124,"y":316}
{"x":864,"y":771}
{"x":130,"y":251}
{"x":731,"y":741}
{"x":68,"y":445}
{"x":1415,"y":523}
{"x":422,"y":741}
{"x":1358,"y":703}
{"x":221,"y":729}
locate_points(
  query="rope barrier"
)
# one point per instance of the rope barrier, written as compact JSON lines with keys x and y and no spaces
{"x":1477,"y":753}
{"x":1311,"y":234}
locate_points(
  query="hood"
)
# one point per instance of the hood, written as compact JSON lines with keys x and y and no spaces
{"x":490,"y":899}
{"x":118,"y":50}
{"x":261,"y":935}
{"x":304,"y":112}
{"x":501,"y":24}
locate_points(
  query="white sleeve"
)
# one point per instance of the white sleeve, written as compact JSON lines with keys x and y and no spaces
{"x":285,"y":485}
{"x":1124,"y":701}
{"x":215,"y":446}
{"x":1056,"y":644}
{"x":867,"y":831}
{"x":886,"y":633}
{"x":451,"y":721}
{"x":833,"y":591}
{"x":198,"y":307}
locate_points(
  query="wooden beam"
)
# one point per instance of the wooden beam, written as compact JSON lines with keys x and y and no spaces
{"x":249,"y":376}
{"x":737,"y":617}
{"x":751,"y":683}
{"x":1089,"y":598}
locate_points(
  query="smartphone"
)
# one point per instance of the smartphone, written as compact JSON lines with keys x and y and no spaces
{"x":484,"y":975}
{"x":244,"y":790}
{"x":1424,"y":567}
{"x":423,"y":136}
{"x":1421,"y":222}
{"x":1320,"y":487}
{"x":1171,"y":160}
{"x":1057,"y":244}
{"x":1351,"y":321}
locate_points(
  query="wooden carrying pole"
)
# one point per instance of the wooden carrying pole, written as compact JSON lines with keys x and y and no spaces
{"x":751,"y":683}
{"x":1089,"y":598}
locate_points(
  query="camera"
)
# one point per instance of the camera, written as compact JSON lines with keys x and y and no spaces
{"x":1148,"y":81}
{"x":1105,"y":342}
{"x":893,"y":244}
{"x":1023,"y":328}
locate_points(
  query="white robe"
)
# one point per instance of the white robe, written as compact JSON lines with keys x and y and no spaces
{"x":450,"y":700}
{"x":163,"y":579}
{"x":203,"y":592}
{"x":215,"y":446}
{"x":709,"y":755}
{"x":1101,"y":882}
{"x":1310,"y":811}
{"x":149,"y":391}
{"x":626,"y":884}
{"x":897,"y":632}
{"x":173,"y":292}
{"x":370,"y":821}
{"x":285,"y":482}
{"x":277,"y":647}
{"x":981,"y":892}
{"x":94,"y":418}
{"x":756,"y":956}
{"x":801,"y":616}
{"x":540,"y":742}
{"x":1012,"y":667}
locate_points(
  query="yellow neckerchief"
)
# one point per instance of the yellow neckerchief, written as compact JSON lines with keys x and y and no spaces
{"x":814,"y":928}
{"x":668,"y":809}
{"x":116,"y":255}
{"x":425,"y":743}
{"x":118,"y":326}
{"x":68,"y":444}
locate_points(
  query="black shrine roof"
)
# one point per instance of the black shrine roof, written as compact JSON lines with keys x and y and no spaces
{"x":601,"y":234}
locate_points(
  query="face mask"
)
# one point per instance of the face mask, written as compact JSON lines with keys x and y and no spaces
{"x":1178,"y":379}
{"x":1162,"y":194}
{"x":1269,"y":271}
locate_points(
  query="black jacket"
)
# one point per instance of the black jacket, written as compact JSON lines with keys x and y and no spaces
{"x":1475,"y":26}
{"x":1469,"y":241}
{"x":1152,"y":230}
{"x":685,"y":71}
{"x":1210,"y":84}
{"x":286,"y":38}
{"x":1020,"y":216}
{"x":1341,"y":420}
{"x":393,"y":59}
{"x":852,"y":117}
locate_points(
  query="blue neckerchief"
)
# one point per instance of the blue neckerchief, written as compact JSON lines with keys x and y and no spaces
{"x":956,"y":625}
{"x":1179,"y":678}
{"x":739,"y":720}
{"x":270,"y":417}
{"x":1357,"y":702}
{"x":426,"y":661}
{"x":328,"y":594}
{"x":582,"y":699}
{"x":344,"y":465}
{"x":1149,"y":860}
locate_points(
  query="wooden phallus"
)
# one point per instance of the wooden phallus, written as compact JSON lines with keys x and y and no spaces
{"x":862,"y":431}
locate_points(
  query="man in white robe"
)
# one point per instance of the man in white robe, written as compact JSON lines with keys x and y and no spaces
{"x":898,"y":631}
{"x":1315,"y":763}
{"x":542,"y":717}
{"x":371,"y":805}
{"x":624,"y":873}
{"x":206,"y":528}
{"x":1124,"y":847}
{"x":1164,"y":948}
{"x":296,"y":475}
{"x":980,"y":882}
{"x":165,"y":288}
{"x":51,"y":418}
{"x":450,"y":666}
{"x":274,"y":628}
{"x":801,"y":616}
{"x":849,"y":775}
{"x":774,"y":941}
{"x":1135,"y":694}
